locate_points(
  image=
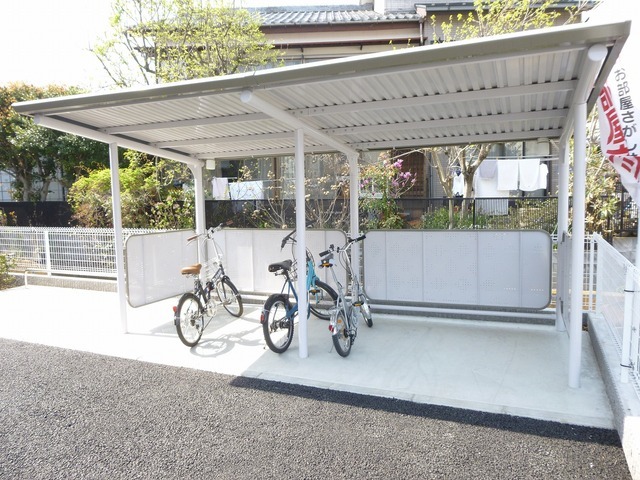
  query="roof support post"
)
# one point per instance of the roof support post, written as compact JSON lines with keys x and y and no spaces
{"x":590,"y":68}
{"x":563,"y":229}
{"x":118,"y":235}
{"x":301,"y":244}
{"x":577,"y":243}
{"x":201,"y":224}
{"x":354,"y":217}
{"x":199,"y":198}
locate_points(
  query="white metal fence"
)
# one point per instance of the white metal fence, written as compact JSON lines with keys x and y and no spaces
{"x":617,"y":286}
{"x":83,"y":251}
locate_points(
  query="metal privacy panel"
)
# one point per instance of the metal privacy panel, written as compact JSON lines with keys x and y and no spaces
{"x":248,"y":253}
{"x":487,"y":268}
{"x":153,"y":262}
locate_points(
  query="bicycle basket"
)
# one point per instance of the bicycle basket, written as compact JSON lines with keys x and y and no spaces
{"x":210,"y":268}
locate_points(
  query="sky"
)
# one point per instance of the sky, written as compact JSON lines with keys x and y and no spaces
{"x":47,"y":42}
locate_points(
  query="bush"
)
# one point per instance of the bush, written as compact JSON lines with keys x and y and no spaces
{"x":6,"y":280}
{"x":439,"y":220}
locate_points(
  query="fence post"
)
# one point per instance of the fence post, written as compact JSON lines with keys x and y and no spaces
{"x":47,"y":252}
{"x":625,"y":362}
{"x":592,"y":246}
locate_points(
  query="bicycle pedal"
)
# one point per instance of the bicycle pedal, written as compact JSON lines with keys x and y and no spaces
{"x":357,"y":304}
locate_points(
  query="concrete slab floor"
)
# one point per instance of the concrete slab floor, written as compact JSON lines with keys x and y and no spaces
{"x":516,"y":369}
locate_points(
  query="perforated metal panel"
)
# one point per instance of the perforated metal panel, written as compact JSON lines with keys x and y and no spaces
{"x":152,"y":264}
{"x":153,"y":261}
{"x":248,"y":253}
{"x":499,"y":268}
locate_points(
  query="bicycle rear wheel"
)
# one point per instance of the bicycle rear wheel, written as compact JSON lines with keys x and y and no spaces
{"x":229,"y":297}
{"x":189,"y":319}
{"x":276,"y":325}
{"x":322,"y":298}
{"x":341,"y":337}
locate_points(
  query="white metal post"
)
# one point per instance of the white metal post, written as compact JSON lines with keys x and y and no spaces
{"x":577,"y":247}
{"x":198,"y":186}
{"x":354,"y":217}
{"x":563,"y":228}
{"x":201,"y":226}
{"x":119,"y":237}
{"x":301,"y":245}
{"x":592,"y":271}
{"x":625,"y":361}
{"x":47,"y":252}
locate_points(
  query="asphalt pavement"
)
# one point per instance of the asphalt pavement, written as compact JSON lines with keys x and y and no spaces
{"x":70,"y":414}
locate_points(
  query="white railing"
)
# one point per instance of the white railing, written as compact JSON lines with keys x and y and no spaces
{"x":618,"y":302}
{"x":73,"y":251}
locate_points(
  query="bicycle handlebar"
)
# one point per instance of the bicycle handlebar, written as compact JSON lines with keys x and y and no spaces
{"x":290,"y":235}
{"x":332,"y":247}
{"x":358,"y":239}
{"x":210,"y":231}
{"x":287,"y":238}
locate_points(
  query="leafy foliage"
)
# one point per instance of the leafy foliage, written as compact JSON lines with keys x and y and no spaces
{"x":151,"y":196}
{"x":7,"y":218}
{"x":34,"y":155}
{"x":325,"y":196}
{"x":498,"y":17}
{"x":156,"y":41}
{"x":601,"y":203}
{"x":383,"y":182}
{"x":441,"y":220}
{"x":6,"y":280}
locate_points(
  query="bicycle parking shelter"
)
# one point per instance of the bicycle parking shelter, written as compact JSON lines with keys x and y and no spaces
{"x":515,"y":87}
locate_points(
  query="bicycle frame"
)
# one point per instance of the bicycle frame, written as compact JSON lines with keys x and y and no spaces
{"x":291,"y":290}
{"x":191,"y":321}
{"x":279,"y":313}
{"x":343,"y":323}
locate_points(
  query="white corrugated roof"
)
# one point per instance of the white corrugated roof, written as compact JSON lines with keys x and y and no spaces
{"x":498,"y":89}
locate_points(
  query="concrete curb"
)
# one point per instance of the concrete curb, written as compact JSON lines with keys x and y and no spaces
{"x":623,"y":398}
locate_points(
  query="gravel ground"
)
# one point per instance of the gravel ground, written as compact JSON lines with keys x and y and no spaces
{"x":68,"y":414}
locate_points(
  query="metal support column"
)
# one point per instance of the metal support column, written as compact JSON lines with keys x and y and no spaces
{"x":577,"y":243}
{"x":119,"y":237}
{"x":301,"y":244}
{"x":354,"y":217}
{"x":563,"y":229}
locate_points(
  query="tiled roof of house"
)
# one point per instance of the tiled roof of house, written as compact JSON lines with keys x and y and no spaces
{"x":349,"y":14}
{"x":318,"y":15}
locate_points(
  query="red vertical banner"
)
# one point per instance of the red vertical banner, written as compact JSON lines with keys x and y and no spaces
{"x":619,"y":129}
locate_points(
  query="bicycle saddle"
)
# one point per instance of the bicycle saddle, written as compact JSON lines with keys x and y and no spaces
{"x":283,"y":265}
{"x":192,"y":269}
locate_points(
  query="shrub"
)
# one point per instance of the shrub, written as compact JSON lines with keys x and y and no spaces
{"x":6,"y":280}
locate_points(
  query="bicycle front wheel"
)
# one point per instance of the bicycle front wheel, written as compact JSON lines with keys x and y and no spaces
{"x":229,"y":297}
{"x":277,"y":326}
{"x":322,"y":298}
{"x":189,"y":319}
{"x":341,"y":337}
{"x":366,"y":312}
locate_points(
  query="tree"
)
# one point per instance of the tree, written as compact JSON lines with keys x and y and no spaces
{"x":325,"y":194}
{"x":489,"y":17}
{"x":156,"y":41}
{"x":601,"y":205}
{"x":151,"y":195}
{"x":384,"y":182}
{"x":35,"y":156}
